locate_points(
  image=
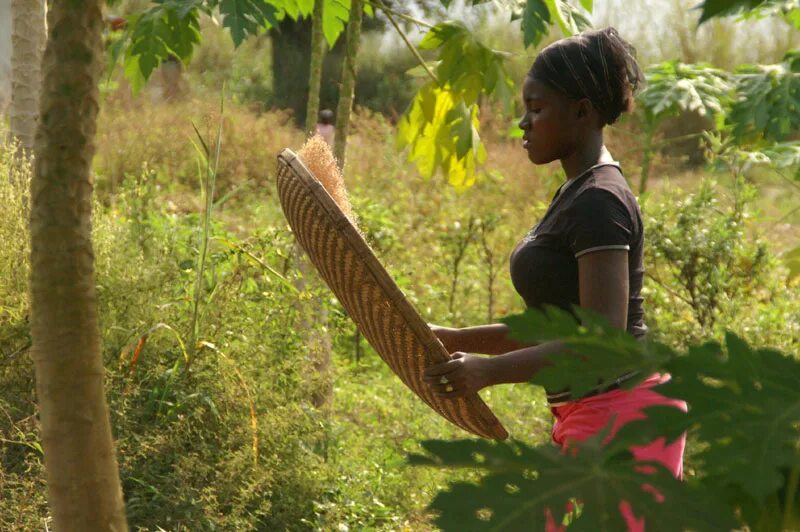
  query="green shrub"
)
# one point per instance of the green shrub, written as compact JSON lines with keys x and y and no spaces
{"x":709,"y":269}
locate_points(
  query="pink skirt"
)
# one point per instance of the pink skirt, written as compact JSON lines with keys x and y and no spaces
{"x":578,"y":420}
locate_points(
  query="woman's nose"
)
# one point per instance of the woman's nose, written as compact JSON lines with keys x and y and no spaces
{"x":523,"y":122}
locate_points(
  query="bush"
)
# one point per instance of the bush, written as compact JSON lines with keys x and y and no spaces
{"x":709,"y":270}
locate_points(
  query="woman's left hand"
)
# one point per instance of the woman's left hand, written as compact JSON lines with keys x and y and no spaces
{"x":463,"y":375}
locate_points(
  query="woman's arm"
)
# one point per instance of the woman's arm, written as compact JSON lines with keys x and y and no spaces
{"x":603,"y":277}
{"x":490,"y":339}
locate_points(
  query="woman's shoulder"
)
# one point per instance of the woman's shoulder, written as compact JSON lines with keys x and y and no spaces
{"x":607,"y":183}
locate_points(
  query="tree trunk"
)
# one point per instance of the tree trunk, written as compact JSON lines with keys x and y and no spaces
{"x":291,"y":64}
{"x":314,"y":316}
{"x":5,"y":55}
{"x":348,"y":81}
{"x":291,"y":55}
{"x":28,"y":33}
{"x":315,"y":72}
{"x":83,"y":482}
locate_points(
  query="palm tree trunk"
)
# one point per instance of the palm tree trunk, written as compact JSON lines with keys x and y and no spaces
{"x":315,"y":75}
{"x":348,"y":81}
{"x":83,"y":481}
{"x":28,"y":33}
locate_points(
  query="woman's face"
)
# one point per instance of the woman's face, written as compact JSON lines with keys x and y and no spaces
{"x":550,"y":123}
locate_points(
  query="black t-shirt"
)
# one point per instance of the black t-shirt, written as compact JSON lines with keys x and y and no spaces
{"x":595,"y":211}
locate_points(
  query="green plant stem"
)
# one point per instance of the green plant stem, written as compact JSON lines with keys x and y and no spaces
{"x":270,"y":269}
{"x":210,"y":181}
{"x":647,"y":158}
{"x":406,"y":40}
{"x":380,"y":5}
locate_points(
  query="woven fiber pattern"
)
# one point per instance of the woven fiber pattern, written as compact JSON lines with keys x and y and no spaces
{"x":371,"y":298}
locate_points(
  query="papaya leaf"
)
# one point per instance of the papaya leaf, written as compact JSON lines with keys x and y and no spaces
{"x":523,"y":483}
{"x":440,"y":34}
{"x":570,"y":19}
{"x":594,"y":353}
{"x":460,"y":120}
{"x":767,"y":102}
{"x":721,"y":8}
{"x":745,"y":407}
{"x":441,"y":126}
{"x":785,"y":8}
{"x":247,"y":17}
{"x":335,"y":15}
{"x":674,"y":87}
{"x":168,"y":28}
{"x":294,"y":8}
{"x":780,"y":155}
{"x":536,"y":22}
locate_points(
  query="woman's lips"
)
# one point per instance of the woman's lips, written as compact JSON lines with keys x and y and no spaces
{"x":525,"y":143}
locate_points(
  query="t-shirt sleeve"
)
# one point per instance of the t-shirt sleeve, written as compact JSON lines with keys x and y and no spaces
{"x":597,"y":220}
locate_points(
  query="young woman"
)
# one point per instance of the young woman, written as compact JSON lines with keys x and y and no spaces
{"x":587,"y":249}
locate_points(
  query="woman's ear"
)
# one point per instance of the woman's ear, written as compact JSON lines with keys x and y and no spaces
{"x":585,"y":108}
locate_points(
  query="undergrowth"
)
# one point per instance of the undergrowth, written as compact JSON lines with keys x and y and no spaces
{"x":232,"y":441}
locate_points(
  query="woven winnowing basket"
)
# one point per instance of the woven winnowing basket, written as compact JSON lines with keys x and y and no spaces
{"x":371,"y":298}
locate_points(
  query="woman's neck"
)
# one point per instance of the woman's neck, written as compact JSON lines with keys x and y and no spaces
{"x":589,"y":154}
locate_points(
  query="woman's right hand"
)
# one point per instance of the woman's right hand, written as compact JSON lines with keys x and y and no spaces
{"x":449,"y":336}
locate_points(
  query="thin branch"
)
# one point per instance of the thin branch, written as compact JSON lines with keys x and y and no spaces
{"x":786,"y":216}
{"x":786,"y":178}
{"x":20,"y":350}
{"x":380,"y":5}
{"x":388,"y":12}
{"x":669,"y":290}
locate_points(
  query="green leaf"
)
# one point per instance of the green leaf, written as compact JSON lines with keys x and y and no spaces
{"x":793,"y":17}
{"x":535,"y":22}
{"x":170,"y":28}
{"x":441,"y":126}
{"x":294,"y":8}
{"x":571,"y":19}
{"x":442,"y":33}
{"x":673,"y":88}
{"x":745,"y":408}
{"x":595,"y":354}
{"x":248,"y":17}
{"x":768,"y":102}
{"x":523,"y":483}
{"x":441,"y":133}
{"x":459,"y":119}
{"x":721,"y":8}
{"x":335,"y":15}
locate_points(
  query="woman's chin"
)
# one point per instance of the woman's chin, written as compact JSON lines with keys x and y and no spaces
{"x":536,"y":158}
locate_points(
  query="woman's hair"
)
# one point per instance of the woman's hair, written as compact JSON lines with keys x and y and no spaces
{"x":598,"y":65}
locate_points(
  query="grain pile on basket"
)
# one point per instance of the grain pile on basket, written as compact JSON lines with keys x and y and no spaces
{"x":321,"y":218}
